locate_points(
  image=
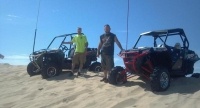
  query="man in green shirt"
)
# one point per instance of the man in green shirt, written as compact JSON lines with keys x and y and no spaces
{"x":80,"y":52}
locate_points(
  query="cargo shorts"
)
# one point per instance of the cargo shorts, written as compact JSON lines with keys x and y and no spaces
{"x":78,"y":58}
{"x":107,"y":62}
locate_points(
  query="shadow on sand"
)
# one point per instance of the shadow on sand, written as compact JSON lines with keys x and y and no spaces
{"x":182,"y":85}
{"x":66,"y":75}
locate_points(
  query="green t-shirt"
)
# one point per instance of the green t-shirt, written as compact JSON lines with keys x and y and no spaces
{"x":80,"y":41}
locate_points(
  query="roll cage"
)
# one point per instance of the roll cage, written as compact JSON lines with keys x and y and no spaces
{"x":64,"y":38}
{"x":163,"y":36}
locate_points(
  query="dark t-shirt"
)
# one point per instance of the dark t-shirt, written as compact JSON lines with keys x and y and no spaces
{"x":107,"y":41}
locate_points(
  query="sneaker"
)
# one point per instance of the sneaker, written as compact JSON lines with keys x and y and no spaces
{"x":106,"y":80}
{"x":103,"y":79}
{"x":78,"y":74}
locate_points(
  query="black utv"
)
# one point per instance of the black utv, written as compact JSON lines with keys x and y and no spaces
{"x":51,"y":61}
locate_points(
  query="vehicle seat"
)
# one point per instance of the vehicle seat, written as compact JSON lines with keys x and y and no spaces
{"x":176,"y":57}
{"x":177,"y":46}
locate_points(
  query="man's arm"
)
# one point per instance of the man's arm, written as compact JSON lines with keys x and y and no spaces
{"x":86,"y":46}
{"x":98,"y":49}
{"x":118,"y":43}
{"x":86,"y":42}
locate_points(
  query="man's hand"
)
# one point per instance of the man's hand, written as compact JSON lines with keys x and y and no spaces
{"x":98,"y":49}
{"x":85,"y":51}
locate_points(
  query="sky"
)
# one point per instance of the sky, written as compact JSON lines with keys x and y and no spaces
{"x":18,"y":20}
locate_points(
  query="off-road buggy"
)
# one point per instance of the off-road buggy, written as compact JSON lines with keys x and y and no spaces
{"x":162,"y":54}
{"x":49,"y":62}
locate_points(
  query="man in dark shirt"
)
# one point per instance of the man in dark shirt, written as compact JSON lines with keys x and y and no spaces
{"x":106,"y":45}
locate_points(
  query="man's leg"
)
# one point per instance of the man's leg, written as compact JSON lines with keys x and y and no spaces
{"x":74,"y":62}
{"x":109,"y":65}
{"x":80,"y":66}
{"x":73,"y":66}
{"x":106,"y":76}
{"x":82,"y":61}
{"x":103,"y":65}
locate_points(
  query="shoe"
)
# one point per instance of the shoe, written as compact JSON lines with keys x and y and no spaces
{"x":78,"y":74}
{"x":106,"y":80}
{"x":103,"y":79}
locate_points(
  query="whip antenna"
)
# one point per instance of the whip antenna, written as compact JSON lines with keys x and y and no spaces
{"x":127,"y":26}
{"x":36,"y":26}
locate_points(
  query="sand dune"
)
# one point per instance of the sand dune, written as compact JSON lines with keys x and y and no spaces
{"x":18,"y":90}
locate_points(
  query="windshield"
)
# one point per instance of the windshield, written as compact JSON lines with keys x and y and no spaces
{"x":174,"y":39}
{"x":148,"y":41}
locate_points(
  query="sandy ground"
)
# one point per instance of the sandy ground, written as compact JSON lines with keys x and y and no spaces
{"x":19,"y":90}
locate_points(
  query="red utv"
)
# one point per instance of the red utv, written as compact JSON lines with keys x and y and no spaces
{"x":156,"y":55}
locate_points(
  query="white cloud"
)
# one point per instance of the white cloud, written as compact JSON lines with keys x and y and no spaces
{"x":116,"y":59}
{"x":17,"y":57}
{"x":13,"y":16}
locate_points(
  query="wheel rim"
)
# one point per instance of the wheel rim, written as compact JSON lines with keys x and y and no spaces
{"x":34,"y":69}
{"x":164,"y":80}
{"x":97,"y":69}
{"x":51,"y":71}
{"x":119,"y":78}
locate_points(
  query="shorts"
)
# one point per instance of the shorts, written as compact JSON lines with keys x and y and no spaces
{"x":79,"y":58}
{"x":107,"y":62}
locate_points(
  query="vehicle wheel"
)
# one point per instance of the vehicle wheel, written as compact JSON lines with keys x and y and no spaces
{"x":87,"y":64}
{"x":31,"y":69}
{"x":160,"y":79}
{"x":117,"y":76}
{"x":190,"y":67}
{"x":195,"y":75}
{"x":50,"y":70}
{"x":95,"y":67}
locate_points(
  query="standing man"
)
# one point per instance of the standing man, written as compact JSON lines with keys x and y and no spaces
{"x":80,"y":52}
{"x":106,"y":45}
